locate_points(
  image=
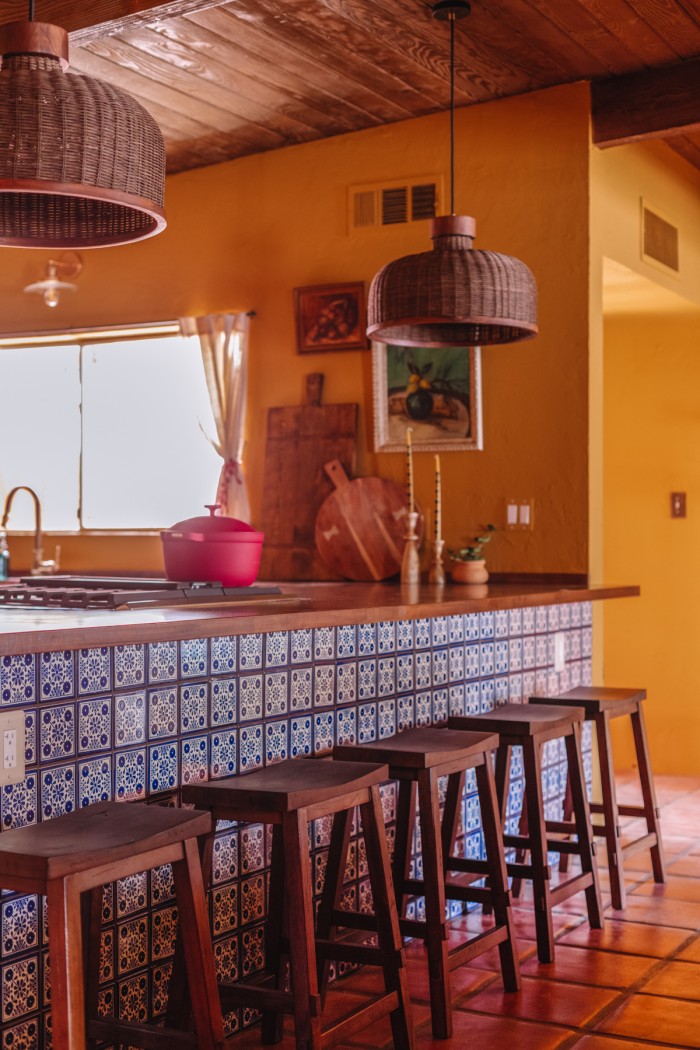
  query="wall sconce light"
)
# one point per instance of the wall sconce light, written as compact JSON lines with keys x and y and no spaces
{"x":65,"y":265}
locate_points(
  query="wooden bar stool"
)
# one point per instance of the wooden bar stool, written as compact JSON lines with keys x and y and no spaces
{"x":69,"y":859}
{"x":530,"y":726}
{"x":601,"y":705}
{"x":289,"y":795}
{"x":416,"y":758}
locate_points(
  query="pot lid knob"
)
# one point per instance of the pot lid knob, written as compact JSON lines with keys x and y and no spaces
{"x":212,"y":508}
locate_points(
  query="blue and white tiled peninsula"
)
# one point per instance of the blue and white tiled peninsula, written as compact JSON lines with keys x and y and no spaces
{"x":130,"y":705}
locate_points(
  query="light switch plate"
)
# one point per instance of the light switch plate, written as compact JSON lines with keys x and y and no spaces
{"x":12,"y":745}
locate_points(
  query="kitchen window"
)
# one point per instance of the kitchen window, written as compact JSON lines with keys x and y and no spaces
{"x":112,"y":431}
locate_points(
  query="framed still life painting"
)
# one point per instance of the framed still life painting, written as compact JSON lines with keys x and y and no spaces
{"x":434,"y":390}
{"x":330,"y":317}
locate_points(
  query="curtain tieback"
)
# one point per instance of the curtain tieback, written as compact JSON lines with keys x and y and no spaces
{"x":230,"y":471}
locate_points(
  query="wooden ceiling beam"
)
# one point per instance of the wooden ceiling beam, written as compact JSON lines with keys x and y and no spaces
{"x":98,"y":19}
{"x":655,"y":103}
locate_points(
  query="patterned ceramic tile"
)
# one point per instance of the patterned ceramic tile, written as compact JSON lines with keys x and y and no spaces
{"x":132,"y":999}
{"x":252,"y":950}
{"x":367,"y":679}
{"x":471,"y":661}
{"x":194,"y":655}
{"x":250,"y":697}
{"x":440,"y":706}
{"x":404,"y":635}
{"x":252,"y":848}
{"x":276,"y":742}
{"x":386,"y":676}
{"x":95,"y":780}
{"x":456,"y":663}
{"x":301,"y":689}
{"x":500,"y":623}
{"x":386,"y":718}
{"x":30,"y":738}
{"x":130,"y":718}
{"x":541,"y":650}
{"x":57,"y":674}
{"x":528,"y":652}
{"x":223,"y":701}
{"x":194,"y":759}
{"x":404,"y":673}
{"x":346,"y":683}
{"x":421,"y":634}
{"x":17,"y":680}
{"x":250,"y":652}
{"x":486,"y":625}
{"x":251,"y":747}
{"x":405,"y":713}
{"x":162,"y":661}
{"x":486,"y":659}
{"x":487,"y":690}
{"x":19,"y":802}
{"x":194,"y":707}
{"x":19,"y":981}
{"x":163,"y":933}
{"x":324,"y":732}
{"x":423,"y":670}
{"x":94,"y":725}
{"x":515,"y":622}
{"x":386,"y":637}
{"x":224,"y":903}
{"x":457,"y":700}
{"x":541,"y":612}
{"x":346,"y":642}
{"x":502,"y":689}
{"x":366,"y":723}
{"x":24,"y":1036}
{"x":94,"y":670}
{"x":222,"y":654}
{"x":130,"y":774}
{"x":324,"y":685}
{"x":440,"y":669}
{"x":162,"y":713}
{"x":301,"y":647}
{"x":366,"y":639}
{"x":223,"y":746}
{"x":129,"y":665}
{"x":528,"y":620}
{"x":471,"y":627}
{"x":324,"y":643}
{"x":346,"y":726}
{"x":57,"y":791}
{"x":473,"y":698}
{"x":163,"y":767}
{"x":132,"y":894}
{"x":424,"y":709}
{"x":501,"y":657}
{"x":300,"y":736}
{"x":276,"y":648}
{"x":20,"y":925}
{"x":57,"y":732}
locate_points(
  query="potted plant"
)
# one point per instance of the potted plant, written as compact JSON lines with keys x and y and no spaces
{"x":468,"y":566}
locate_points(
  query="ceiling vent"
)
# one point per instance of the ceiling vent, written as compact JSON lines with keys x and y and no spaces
{"x":394,"y":203}
{"x":659,"y":240}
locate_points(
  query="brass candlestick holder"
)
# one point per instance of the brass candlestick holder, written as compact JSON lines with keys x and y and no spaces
{"x":437,"y":569}
{"x":410,"y":563}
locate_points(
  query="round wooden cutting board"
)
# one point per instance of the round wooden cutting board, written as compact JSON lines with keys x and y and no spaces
{"x":361,"y":527}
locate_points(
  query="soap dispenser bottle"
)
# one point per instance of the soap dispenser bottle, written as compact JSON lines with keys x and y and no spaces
{"x":4,"y":556}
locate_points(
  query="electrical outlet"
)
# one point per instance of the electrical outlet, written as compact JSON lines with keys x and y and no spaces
{"x":559,"y":651}
{"x":13,"y":744}
{"x":511,"y":514}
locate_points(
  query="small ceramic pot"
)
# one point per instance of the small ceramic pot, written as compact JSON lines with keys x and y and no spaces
{"x":469,"y":571}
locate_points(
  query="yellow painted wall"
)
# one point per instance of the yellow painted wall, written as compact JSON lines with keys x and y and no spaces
{"x":242,"y":235}
{"x":647,"y":410}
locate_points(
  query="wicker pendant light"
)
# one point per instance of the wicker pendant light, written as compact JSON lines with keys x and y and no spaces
{"x":82,"y":164}
{"x":453,"y":295}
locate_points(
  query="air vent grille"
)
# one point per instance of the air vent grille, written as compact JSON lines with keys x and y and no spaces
{"x":660,"y":240}
{"x":394,"y":203}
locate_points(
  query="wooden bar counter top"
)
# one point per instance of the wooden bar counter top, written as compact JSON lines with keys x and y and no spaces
{"x":300,"y":605}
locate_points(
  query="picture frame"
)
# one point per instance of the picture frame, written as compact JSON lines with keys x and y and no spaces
{"x":434,"y":390}
{"x":331,"y":317}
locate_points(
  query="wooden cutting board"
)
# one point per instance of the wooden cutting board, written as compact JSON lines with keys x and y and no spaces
{"x":301,"y":439}
{"x":361,"y":528}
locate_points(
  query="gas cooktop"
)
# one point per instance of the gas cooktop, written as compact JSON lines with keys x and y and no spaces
{"x":88,"y":592}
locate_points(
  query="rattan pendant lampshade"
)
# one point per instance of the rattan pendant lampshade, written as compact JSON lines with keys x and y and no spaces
{"x":82,"y":164}
{"x":454,"y":295}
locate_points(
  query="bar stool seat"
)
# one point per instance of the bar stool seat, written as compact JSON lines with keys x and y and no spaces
{"x":601,"y":705}
{"x":416,"y":758}
{"x":530,"y":726}
{"x":288,"y":796}
{"x":69,"y":859}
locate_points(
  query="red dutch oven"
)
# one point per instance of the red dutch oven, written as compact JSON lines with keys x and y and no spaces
{"x":212,"y":550}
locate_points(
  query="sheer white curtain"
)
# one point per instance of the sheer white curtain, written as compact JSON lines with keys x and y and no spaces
{"x":224,"y":342}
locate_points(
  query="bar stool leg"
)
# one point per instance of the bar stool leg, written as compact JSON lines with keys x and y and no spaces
{"x":611,"y":816}
{"x":651,"y":809}
{"x":498,"y":878}
{"x":306,"y":997}
{"x":405,"y":822}
{"x":584,"y":833}
{"x":67,"y":987}
{"x":502,"y":778}
{"x":390,"y":942}
{"x":199,"y":955}
{"x":272,"y":1021}
{"x":92,"y":940}
{"x":568,"y":813}
{"x":541,"y":890}
{"x":434,"y":890}
{"x":332,"y":888}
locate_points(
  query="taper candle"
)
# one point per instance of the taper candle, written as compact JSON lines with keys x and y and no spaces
{"x":409,"y":467}
{"x":438,"y":500}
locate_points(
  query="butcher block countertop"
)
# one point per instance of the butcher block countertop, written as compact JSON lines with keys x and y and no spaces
{"x":300,"y":605}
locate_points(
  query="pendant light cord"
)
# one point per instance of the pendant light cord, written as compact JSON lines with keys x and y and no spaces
{"x":452,"y":113}
{"x":31,"y":10}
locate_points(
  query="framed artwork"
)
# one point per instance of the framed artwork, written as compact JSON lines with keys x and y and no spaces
{"x":330,"y":317}
{"x":435,"y":390}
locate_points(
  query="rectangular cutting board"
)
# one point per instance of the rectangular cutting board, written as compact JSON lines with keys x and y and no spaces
{"x":300,"y":440}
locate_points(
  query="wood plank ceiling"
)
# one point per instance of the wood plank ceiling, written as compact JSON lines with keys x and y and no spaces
{"x":228,"y":79}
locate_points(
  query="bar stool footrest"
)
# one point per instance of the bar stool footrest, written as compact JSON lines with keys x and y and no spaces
{"x":567,"y":889}
{"x":147,"y":1037}
{"x":632,"y":811}
{"x":346,"y":951}
{"x":476,"y":946}
{"x":637,"y":845}
{"x":239,"y":993}
{"x":525,"y":871}
{"x":372,"y":1011}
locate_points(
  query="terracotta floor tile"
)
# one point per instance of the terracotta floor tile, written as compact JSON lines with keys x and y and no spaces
{"x":688,"y":866}
{"x":494,"y":1033}
{"x":602,"y":1042}
{"x":657,"y":911}
{"x":663,"y":1021}
{"x":542,"y":1000}
{"x":633,"y":938}
{"x":676,"y":887}
{"x":678,"y":979}
{"x":605,"y":969}
{"x":691,"y":953}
